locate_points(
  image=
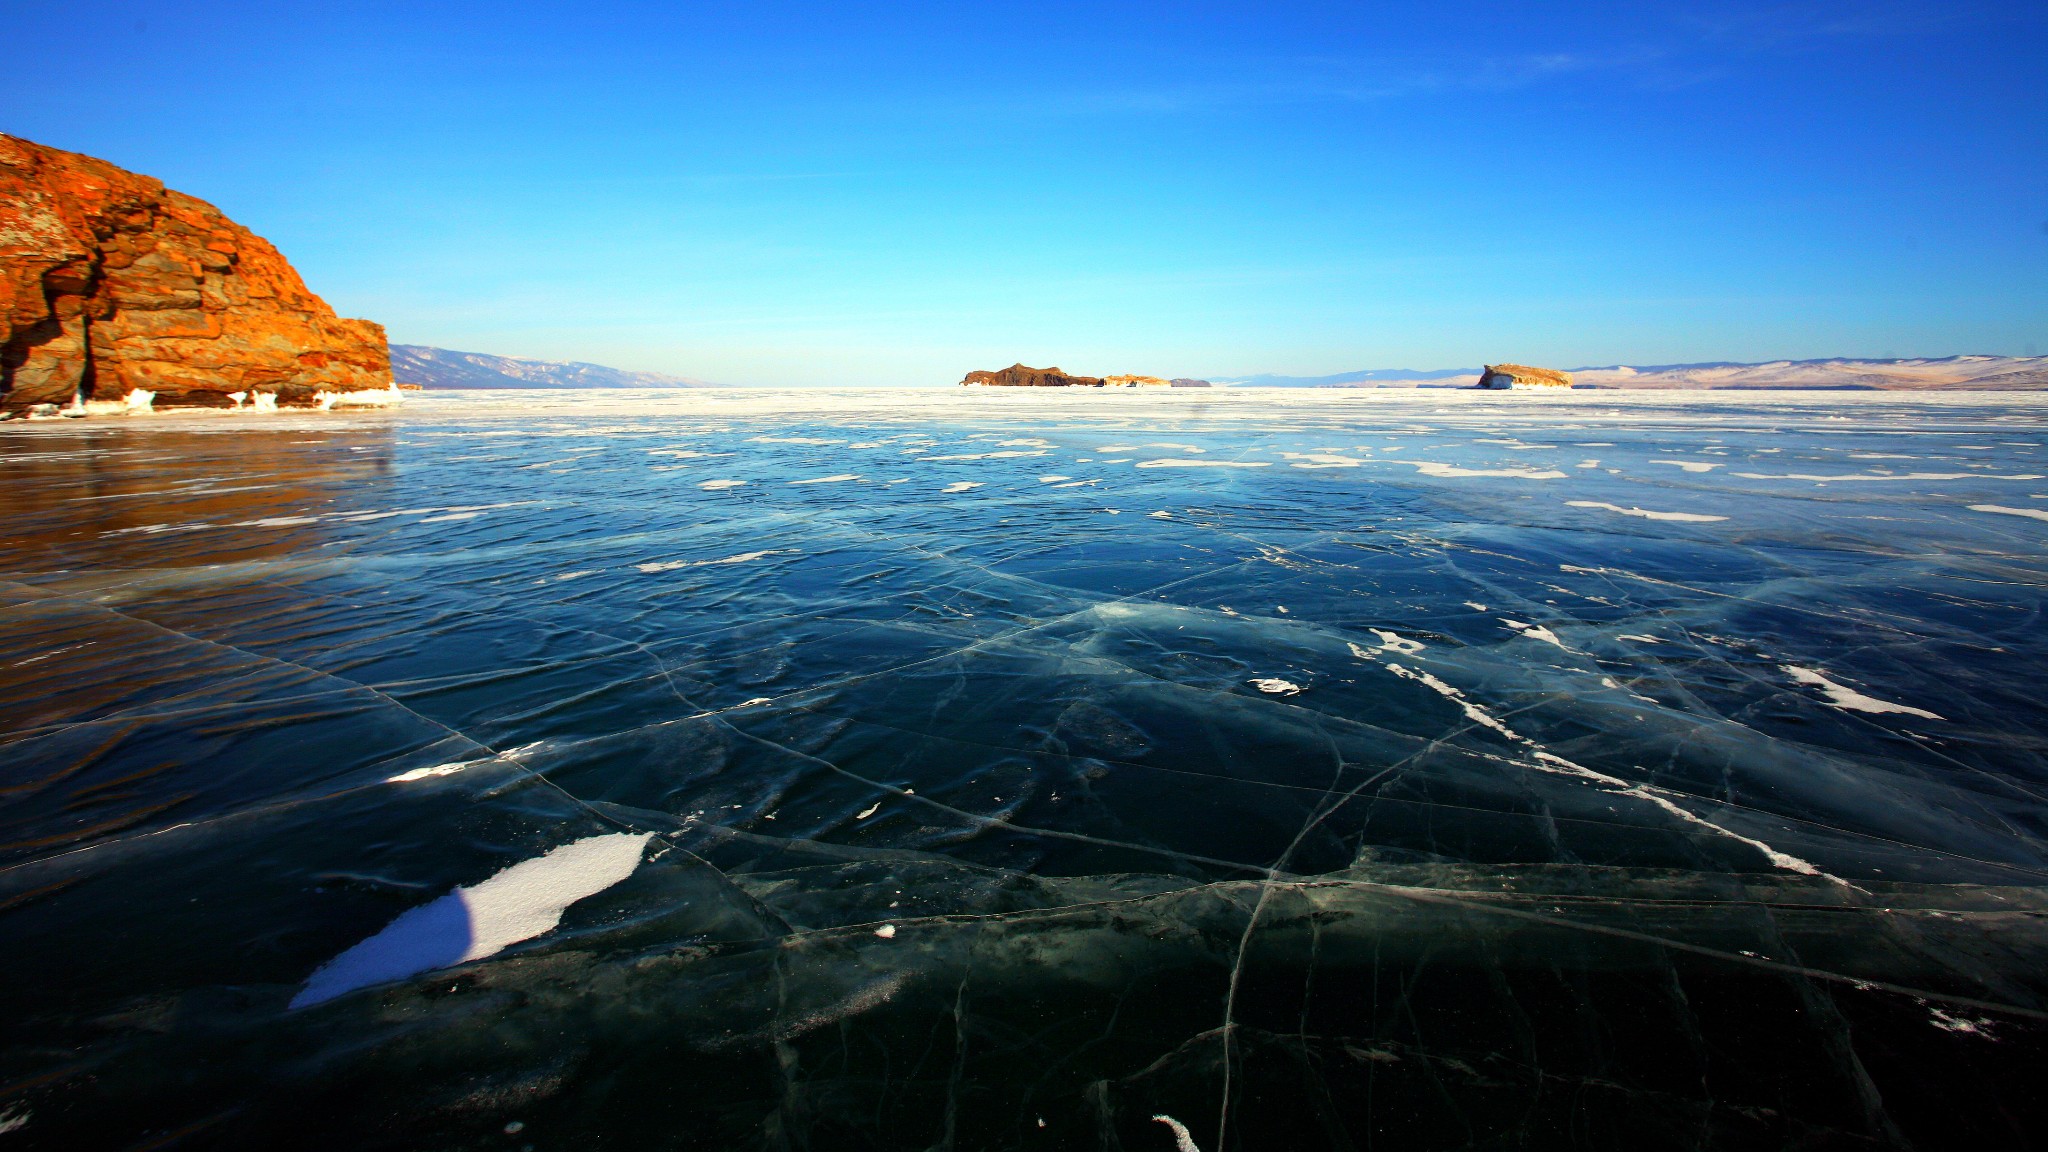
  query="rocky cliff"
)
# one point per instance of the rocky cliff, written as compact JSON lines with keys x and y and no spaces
{"x":111,"y":283}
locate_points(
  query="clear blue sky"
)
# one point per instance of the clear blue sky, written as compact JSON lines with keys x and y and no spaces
{"x":866,"y":194}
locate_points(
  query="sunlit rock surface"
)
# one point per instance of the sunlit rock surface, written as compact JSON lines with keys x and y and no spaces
{"x":1522,"y":376}
{"x":908,"y":770}
{"x":1019,"y":376}
{"x":111,"y":283}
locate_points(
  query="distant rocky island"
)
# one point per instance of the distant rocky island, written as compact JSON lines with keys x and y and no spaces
{"x":439,"y":368}
{"x":119,"y":294}
{"x":1019,"y":376}
{"x":1522,"y":376}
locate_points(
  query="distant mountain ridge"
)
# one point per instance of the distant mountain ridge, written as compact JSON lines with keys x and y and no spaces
{"x":1957,"y":373}
{"x":437,"y":368}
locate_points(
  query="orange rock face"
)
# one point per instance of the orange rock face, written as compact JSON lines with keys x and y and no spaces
{"x":110,"y":282}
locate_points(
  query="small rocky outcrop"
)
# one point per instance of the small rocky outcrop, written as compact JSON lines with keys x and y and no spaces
{"x":1018,"y":376}
{"x":113,"y":287}
{"x":1522,"y":376}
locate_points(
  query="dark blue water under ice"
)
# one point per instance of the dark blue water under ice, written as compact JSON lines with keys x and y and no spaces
{"x":980,"y":770}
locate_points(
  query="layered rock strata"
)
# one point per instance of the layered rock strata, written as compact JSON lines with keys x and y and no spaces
{"x":113,"y":286}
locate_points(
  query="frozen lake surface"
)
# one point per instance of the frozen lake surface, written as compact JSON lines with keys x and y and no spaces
{"x":978,"y":769}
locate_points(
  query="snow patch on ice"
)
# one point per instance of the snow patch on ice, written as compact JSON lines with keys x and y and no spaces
{"x":1551,"y":762}
{"x":1433,"y":468}
{"x":741,"y":558}
{"x":1887,"y":476}
{"x":1183,"y":1140}
{"x":1394,"y":642}
{"x":1842,"y":696}
{"x":2030,"y":513}
{"x":1536,"y":632}
{"x":1645,"y":513}
{"x":471,"y":923}
{"x":428,"y":773}
{"x":1173,"y":462}
{"x":1321,"y":460}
